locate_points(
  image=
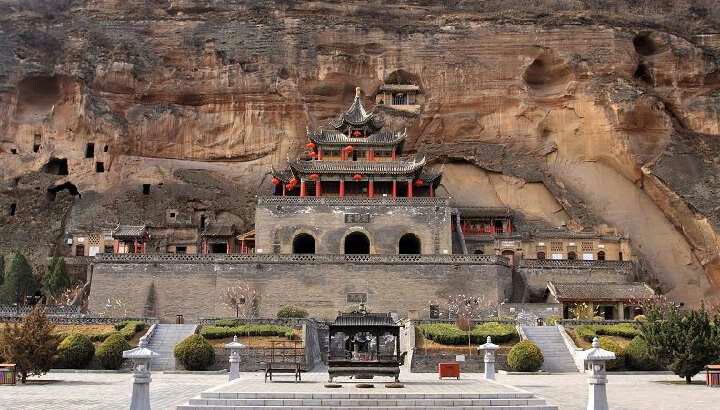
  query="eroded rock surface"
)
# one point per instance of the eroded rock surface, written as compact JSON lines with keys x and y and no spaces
{"x":573,"y":119}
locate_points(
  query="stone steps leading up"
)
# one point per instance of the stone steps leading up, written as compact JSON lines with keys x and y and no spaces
{"x":163,"y":342}
{"x":269,"y":401}
{"x":557,"y":357}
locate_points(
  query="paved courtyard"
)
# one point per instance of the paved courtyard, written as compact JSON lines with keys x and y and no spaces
{"x":568,"y":391}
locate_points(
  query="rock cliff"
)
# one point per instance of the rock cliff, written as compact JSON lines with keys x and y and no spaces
{"x":573,"y":116}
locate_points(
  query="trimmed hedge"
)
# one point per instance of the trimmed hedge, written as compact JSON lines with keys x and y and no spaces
{"x":195,"y":353}
{"x":76,"y":351}
{"x":110,"y":351}
{"x":552,"y":320}
{"x":525,"y":356}
{"x":625,"y":330}
{"x":221,"y":332}
{"x":613,"y":346}
{"x":127,"y":328}
{"x":288,"y":311}
{"x":449,"y":334}
{"x":638,"y":356}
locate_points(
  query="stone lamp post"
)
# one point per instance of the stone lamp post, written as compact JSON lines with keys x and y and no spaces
{"x":234,"y":359}
{"x":489,"y":347}
{"x":595,"y":361}
{"x":141,"y":357}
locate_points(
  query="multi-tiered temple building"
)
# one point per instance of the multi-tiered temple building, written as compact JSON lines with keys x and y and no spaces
{"x":354,"y":220}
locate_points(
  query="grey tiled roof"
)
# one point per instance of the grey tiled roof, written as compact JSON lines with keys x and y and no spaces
{"x":399,"y":87}
{"x":367,"y":319}
{"x":357,"y":116}
{"x":129,"y":231}
{"x":399,"y":167}
{"x":480,"y":212}
{"x":600,"y":291}
{"x":337,"y":138}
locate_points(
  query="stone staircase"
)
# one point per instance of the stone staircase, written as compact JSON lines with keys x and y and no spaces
{"x":357,"y":401}
{"x":557,"y":356}
{"x":163,"y":341}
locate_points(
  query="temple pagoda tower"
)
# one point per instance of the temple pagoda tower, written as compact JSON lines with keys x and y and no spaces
{"x":356,"y":157}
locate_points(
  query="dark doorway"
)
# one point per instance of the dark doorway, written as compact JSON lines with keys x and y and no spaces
{"x":572,"y":256}
{"x":541,"y":255}
{"x":510,"y":255}
{"x":99,"y":167}
{"x":79,"y":250}
{"x":218,"y":248}
{"x":357,"y":243}
{"x":409,"y":244}
{"x":303,"y":243}
{"x":146,"y":189}
{"x":90,"y":150}
{"x":13,"y":209}
{"x":601,"y":256}
{"x":56,"y":166}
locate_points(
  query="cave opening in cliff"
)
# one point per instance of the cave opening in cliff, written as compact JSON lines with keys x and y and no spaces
{"x":146,"y":189}
{"x":56,"y":166}
{"x":643,"y":74}
{"x":646,"y":44}
{"x":13,"y":209}
{"x":13,"y":151}
{"x":99,"y":167}
{"x":548,"y":74}
{"x":90,"y":150}
{"x":36,"y":97}
{"x":69,"y":186}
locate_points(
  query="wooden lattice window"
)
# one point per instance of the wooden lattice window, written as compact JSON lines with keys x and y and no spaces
{"x":556,"y":246}
{"x":586,"y":246}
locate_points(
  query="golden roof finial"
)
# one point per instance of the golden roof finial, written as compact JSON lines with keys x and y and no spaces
{"x":357,"y":92}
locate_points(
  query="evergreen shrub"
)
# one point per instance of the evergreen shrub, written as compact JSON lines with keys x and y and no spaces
{"x":76,"y":351}
{"x":288,"y":311}
{"x":221,"y":332}
{"x":638,"y":355}
{"x":613,"y":346}
{"x":450,"y":334}
{"x":110,"y":351}
{"x":195,"y":353}
{"x":525,"y":356}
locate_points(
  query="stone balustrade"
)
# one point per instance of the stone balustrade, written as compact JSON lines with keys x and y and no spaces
{"x":304,"y":259}
{"x":352,"y":201}
{"x":7,"y":310}
{"x":623,"y":266}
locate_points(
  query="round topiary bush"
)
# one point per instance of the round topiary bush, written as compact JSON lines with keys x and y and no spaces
{"x":195,"y":353}
{"x":110,"y":351}
{"x":525,"y":357}
{"x":613,"y":346}
{"x":638,"y":355}
{"x":288,"y":311}
{"x":75,"y":352}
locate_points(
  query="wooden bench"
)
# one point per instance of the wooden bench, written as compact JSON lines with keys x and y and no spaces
{"x":285,"y":357}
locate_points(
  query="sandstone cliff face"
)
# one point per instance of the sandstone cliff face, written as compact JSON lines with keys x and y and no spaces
{"x":573,"y":120}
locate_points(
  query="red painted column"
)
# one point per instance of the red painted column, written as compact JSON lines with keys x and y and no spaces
{"x":143,"y":248}
{"x":318,"y":188}
{"x":371,"y":188}
{"x":320,"y":152}
{"x":283,"y":185}
{"x":394,"y":189}
{"x":409,"y":195}
{"x":135,"y":246}
{"x":394,"y":155}
{"x":342,"y":187}
{"x":302,"y":188}
{"x":228,"y":247}
{"x":372,"y":154}
{"x":432,"y":191}
{"x":116,"y":246}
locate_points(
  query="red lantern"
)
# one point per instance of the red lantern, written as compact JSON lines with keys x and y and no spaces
{"x":310,"y":145}
{"x":275,"y":181}
{"x":419,"y":182}
{"x":349,"y":148}
{"x":314,"y":177}
{"x":313,"y":154}
{"x":356,"y":133}
{"x":293,"y":181}
{"x":289,"y":187}
{"x":357,"y":177}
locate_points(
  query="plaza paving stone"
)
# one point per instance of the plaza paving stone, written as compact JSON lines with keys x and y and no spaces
{"x":568,"y":391}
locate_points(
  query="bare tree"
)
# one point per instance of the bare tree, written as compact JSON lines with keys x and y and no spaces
{"x":465,"y":309}
{"x":243,"y":299}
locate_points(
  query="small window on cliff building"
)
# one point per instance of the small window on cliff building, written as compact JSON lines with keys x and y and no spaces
{"x":99,"y":167}
{"x":90,"y":150}
{"x":13,"y":151}
{"x":541,"y":255}
{"x":434,"y":311}
{"x":572,"y":256}
{"x":108,"y":249}
{"x":620,"y":256}
{"x":36,"y":142}
{"x":182,"y":250}
{"x":601,"y":256}
{"x":106,"y":148}
{"x":146,"y":189}
{"x":13,"y":209}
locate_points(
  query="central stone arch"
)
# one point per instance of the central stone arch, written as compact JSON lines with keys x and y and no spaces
{"x":409,"y":244}
{"x":357,"y":243}
{"x":303,"y":243}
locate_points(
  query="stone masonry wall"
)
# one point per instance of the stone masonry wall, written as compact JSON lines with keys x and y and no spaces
{"x":426,"y":360}
{"x":194,"y":289}
{"x":278,"y":220}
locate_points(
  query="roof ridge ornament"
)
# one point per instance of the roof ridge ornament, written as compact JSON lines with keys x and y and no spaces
{"x":357,"y":92}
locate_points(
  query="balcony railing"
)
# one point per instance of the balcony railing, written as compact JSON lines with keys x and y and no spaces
{"x":305,"y":258}
{"x":352,"y":201}
{"x":624,"y":266}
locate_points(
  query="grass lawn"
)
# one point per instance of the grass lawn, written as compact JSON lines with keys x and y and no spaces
{"x":251,"y":341}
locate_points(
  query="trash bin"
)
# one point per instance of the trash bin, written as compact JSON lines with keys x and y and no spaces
{"x":179,"y":319}
{"x":8,"y":373}
{"x":712,"y":375}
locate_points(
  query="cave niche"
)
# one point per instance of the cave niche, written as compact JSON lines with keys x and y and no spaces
{"x":69,"y":186}
{"x":56,"y":166}
{"x":36,"y":97}
{"x":547,"y":74}
{"x":649,"y":43}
